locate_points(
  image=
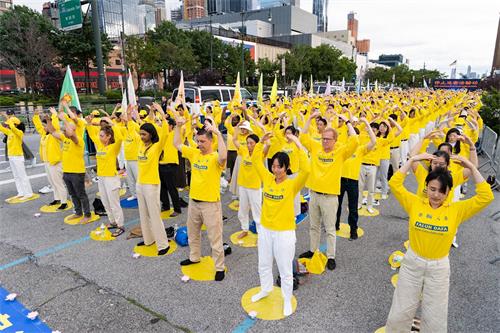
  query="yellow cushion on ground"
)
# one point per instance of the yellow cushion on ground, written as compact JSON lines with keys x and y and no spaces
{"x":376,"y":195}
{"x":234,"y":205}
{"x":101,"y":235}
{"x":345,"y":231}
{"x":76,"y":221}
{"x":249,"y":240}
{"x":315,"y":265}
{"x":16,"y":200}
{"x":394,"y":280}
{"x":202,"y":271}
{"x":53,"y":208}
{"x":406,"y":244}
{"x":395,"y":259}
{"x":166,"y":214}
{"x":380,"y":330}
{"x":268,"y":308}
{"x":152,"y":250}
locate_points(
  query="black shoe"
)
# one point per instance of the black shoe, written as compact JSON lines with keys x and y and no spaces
{"x":63,"y":206}
{"x":188,"y":262}
{"x":164,"y":209}
{"x":330,"y":264}
{"x":219,"y":275}
{"x":55,"y":202}
{"x":183,"y":203}
{"x":227,"y":249}
{"x":354,"y":235}
{"x":307,"y":255}
{"x":224,"y":218}
{"x":337,"y":227}
{"x":163,"y":251}
{"x":140,"y":244}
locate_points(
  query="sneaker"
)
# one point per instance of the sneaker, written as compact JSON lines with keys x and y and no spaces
{"x":163,"y":251}
{"x":55,"y":202}
{"x":365,"y":201}
{"x":331,"y":264}
{"x":370,"y":210}
{"x":307,"y":255}
{"x":132,"y":197}
{"x":63,"y":206}
{"x":376,"y":202}
{"x":46,"y":189}
{"x":219,"y":275}
{"x":378,"y":190}
{"x":33,"y":162}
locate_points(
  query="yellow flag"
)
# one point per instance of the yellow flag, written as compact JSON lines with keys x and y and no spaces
{"x":260,"y":91}
{"x":237,"y":91}
{"x":274,"y":91}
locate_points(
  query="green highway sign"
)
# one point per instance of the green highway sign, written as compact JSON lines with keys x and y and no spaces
{"x":70,"y":14}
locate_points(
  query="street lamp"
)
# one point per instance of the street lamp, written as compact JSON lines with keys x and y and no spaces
{"x":244,"y":17}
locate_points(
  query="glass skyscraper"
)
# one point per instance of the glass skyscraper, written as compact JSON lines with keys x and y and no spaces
{"x":320,"y":8}
{"x":138,"y":16}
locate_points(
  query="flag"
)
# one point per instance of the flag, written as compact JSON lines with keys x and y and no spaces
{"x":368,"y":85}
{"x":454,"y":63}
{"x":181,"y":93}
{"x":328,"y":89}
{"x":274,"y":91}
{"x":392,"y":87}
{"x":124,"y":102}
{"x":425,"y":85}
{"x":343,"y":84}
{"x":68,"y":91}
{"x":261,"y":88}
{"x":358,"y":86}
{"x":298,"y":91}
{"x":311,"y":86}
{"x":393,"y":77}
{"x":237,"y":91}
{"x":376,"y":85}
{"x":131,"y":90}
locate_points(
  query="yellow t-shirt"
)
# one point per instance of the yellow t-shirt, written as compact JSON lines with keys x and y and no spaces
{"x":205,"y":174}
{"x":131,"y":139}
{"x":148,"y":158}
{"x":14,"y":139}
{"x":247,"y":175}
{"x":431,"y":231}
{"x":50,"y":147}
{"x":170,"y":153}
{"x":72,"y":155}
{"x":277,"y":206}
{"x":352,"y":166}
{"x":326,"y":167}
{"x":106,"y":155}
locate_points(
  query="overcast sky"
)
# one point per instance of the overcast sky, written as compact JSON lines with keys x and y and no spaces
{"x":436,"y":32}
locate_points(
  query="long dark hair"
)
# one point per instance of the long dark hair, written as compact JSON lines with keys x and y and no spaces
{"x":152,"y":131}
{"x":109,"y":131}
{"x":387,"y":132}
{"x":444,"y":178}
{"x":456,"y":148}
{"x":283,"y":161}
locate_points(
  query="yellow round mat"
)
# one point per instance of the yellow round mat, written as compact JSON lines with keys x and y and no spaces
{"x":394,"y":280}
{"x":392,"y":262}
{"x":380,"y":330}
{"x":101,"y":235}
{"x":364,"y":212}
{"x":152,"y":250}
{"x":122,"y":192}
{"x":166,"y":214}
{"x":234,"y":205}
{"x":202,"y":271}
{"x":406,"y":244}
{"x":345,"y":231}
{"x":76,"y":221}
{"x":53,"y":208}
{"x":376,"y":195}
{"x":16,"y":200}
{"x":249,"y":240}
{"x":268,"y":308}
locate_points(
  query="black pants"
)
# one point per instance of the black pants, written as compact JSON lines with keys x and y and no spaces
{"x":168,"y":174}
{"x":351,"y":187}
{"x":231,"y":160}
{"x":75,"y":182}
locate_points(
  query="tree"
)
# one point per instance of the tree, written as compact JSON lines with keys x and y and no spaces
{"x":403,"y":75}
{"x":77,"y":48}
{"x":268,"y":69}
{"x":25,"y":39}
{"x":490,"y":110}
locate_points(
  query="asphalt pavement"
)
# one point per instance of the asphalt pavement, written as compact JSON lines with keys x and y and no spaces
{"x":80,"y":285}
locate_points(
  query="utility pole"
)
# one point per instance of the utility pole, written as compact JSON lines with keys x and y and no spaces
{"x":98,"y":47}
{"x":124,"y":62}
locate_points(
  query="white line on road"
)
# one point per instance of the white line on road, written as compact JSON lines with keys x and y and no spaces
{"x":10,"y":181}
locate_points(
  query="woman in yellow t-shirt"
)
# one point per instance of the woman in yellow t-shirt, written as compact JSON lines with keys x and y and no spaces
{"x":108,"y":140}
{"x":277,"y":228}
{"x":14,"y":130}
{"x":148,"y":183}
{"x":432,"y":224}
{"x":250,"y":192}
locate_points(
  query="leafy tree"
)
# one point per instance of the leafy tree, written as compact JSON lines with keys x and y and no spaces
{"x":490,"y":110}
{"x":268,"y":69}
{"x":403,"y":75}
{"x":77,"y":48}
{"x":25,"y":39}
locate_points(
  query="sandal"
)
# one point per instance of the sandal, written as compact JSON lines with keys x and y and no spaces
{"x":118,"y":232}
{"x":111,"y":226}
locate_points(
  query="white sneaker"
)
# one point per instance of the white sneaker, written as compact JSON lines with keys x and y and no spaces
{"x":33,"y":162}
{"x":365,"y":201}
{"x":132,"y":197}
{"x":46,"y":189}
{"x":370,"y":210}
{"x":378,"y":190}
{"x":376,"y":202}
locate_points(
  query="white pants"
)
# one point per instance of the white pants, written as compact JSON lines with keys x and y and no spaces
{"x":132,"y":174}
{"x":367,"y":177}
{"x":153,"y":230}
{"x":382,"y":171}
{"x":412,"y":141}
{"x":424,"y":279}
{"x":55,"y":177}
{"x":121,"y":158}
{"x":279,"y":245}
{"x":404,"y":151}
{"x":250,"y":200}
{"x":233,"y":185}
{"x":21,"y":179}
{"x":109,"y":187}
{"x":395,"y":158}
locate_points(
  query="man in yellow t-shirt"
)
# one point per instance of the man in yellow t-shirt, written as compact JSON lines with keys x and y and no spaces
{"x":204,"y":203}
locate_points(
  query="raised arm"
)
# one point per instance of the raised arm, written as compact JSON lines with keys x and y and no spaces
{"x":221,"y":146}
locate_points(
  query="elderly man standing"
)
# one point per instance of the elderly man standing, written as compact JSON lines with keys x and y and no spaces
{"x":204,"y":203}
{"x":327,"y":159}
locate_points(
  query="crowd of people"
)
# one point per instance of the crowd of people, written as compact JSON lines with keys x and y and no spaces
{"x":274,"y":151}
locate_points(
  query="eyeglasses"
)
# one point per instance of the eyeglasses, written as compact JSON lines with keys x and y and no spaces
{"x":327,"y":139}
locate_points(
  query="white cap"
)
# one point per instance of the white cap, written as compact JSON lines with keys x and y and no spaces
{"x":246,"y":125}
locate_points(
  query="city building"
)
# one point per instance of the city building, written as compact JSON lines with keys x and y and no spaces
{"x":228,"y":6}
{"x":5,"y":5}
{"x":160,"y":12}
{"x":320,"y":8}
{"x":176,"y":14}
{"x":391,"y":60}
{"x":50,"y":11}
{"x":363,"y":46}
{"x":352,"y":24}
{"x":194,"y":9}
{"x":138,"y":16}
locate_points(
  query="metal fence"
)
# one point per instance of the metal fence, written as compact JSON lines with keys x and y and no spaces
{"x":490,"y":147}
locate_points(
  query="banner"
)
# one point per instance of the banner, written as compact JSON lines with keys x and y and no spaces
{"x":456,"y":84}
